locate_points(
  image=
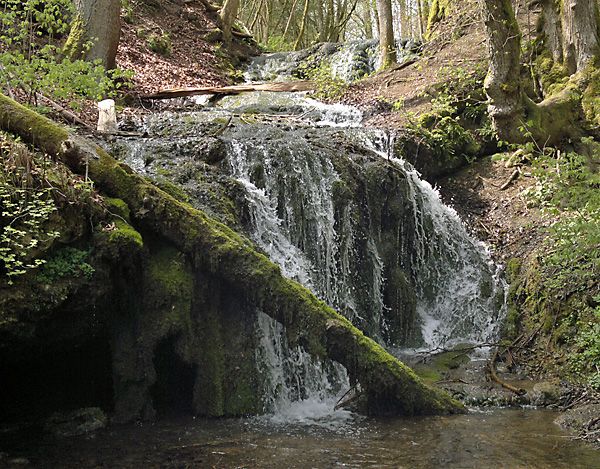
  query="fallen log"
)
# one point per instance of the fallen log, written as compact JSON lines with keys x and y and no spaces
{"x":292,"y":86}
{"x":388,"y":386}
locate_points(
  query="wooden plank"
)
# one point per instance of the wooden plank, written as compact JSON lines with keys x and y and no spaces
{"x":292,"y":86}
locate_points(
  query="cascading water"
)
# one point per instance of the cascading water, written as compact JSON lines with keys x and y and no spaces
{"x":329,"y":202}
{"x":348,"y":61}
{"x":459,"y":296}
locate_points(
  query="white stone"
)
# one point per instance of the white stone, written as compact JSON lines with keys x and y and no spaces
{"x":107,"y":116}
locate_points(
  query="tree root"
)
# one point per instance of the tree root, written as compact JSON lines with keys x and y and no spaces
{"x":494,"y":376}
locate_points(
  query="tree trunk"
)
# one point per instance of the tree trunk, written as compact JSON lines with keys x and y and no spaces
{"x":551,"y":25}
{"x":368,"y":19}
{"x":97,"y":22}
{"x":387,"y":44}
{"x":228,"y":15}
{"x":503,"y":82}
{"x":302,"y":25}
{"x":387,"y":385}
{"x":579,"y":33}
{"x":515,"y":117}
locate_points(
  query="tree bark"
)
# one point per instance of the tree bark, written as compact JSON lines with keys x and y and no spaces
{"x":97,"y":22}
{"x":551,"y":25}
{"x":515,"y":117}
{"x":388,"y":386}
{"x":387,"y":44}
{"x":228,"y":15}
{"x":580,"y":33}
{"x":503,"y":82}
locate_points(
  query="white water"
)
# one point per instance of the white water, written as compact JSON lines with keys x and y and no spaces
{"x":348,"y":62}
{"x":448,"y":268}
{"x":461,"y":294}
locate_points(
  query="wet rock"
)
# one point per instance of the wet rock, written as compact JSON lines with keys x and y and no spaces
{"x":77,"y":422}
{"x":545,"y":394}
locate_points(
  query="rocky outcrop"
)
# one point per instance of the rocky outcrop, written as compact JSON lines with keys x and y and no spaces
{"x":170,"y":300}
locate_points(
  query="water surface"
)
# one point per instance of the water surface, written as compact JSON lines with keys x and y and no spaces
{"x":500,"y":438}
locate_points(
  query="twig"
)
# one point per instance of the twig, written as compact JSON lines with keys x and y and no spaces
{"x":222,"y":129}
{"x":69,"y":115}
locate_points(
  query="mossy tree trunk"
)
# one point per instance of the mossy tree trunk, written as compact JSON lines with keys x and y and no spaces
{"x":503,"y":83}
{"x":95,"y":32}
{"x":571,"y":31}
{"x":388,"y":386}
{"x":387,"y":44}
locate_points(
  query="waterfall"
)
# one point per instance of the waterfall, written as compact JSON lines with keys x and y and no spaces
{"x":331,"y":204}
{"x":460,"y":291}
{"x":348,"y":61}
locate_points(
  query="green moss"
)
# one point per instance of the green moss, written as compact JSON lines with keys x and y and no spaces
{"x":513,"y":268}
{"x":172,"y":189}
{"x":168,"y":271}
{"x":553,"y":76}
{"x":118,"y":207}
{"x":74,"y":46}
{"x":210,"y":395}
{"x":591,"y":95}
{"x":124,"y":234}
{"x":31,"y":126}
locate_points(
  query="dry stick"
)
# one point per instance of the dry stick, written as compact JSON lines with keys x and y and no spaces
{"x":513,"y":177}
{"x":398,"y":68}
{"x":69,"y":115}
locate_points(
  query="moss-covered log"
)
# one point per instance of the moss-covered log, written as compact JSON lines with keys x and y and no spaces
{"x":388,"y":386}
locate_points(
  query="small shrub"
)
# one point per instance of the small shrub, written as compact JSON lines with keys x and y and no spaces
{"x":127,"y":11}
{"x":277,"y":44}
{"x":160,"y":43}
{"x":327,"y":87}
{"x":66,"y":262}
{"x":26,"y":207}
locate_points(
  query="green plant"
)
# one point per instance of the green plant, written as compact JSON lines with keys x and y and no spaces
{"x":26,"y":207}
{"x":586,"y":358}
{"x":127,"y":8}
{"x":160,"y":43}
{"x":66,"y":262}
{"x":327,"y":86}
{"x":277,"y":43}
{"x":32,"y":58}
{"x":566,"y":190}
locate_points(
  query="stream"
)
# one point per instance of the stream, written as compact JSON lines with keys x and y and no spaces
{"x":501,"y":438}
{"x":342,"y":213}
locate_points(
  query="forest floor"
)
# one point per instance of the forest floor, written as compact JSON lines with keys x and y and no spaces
{"x":186,"y":54}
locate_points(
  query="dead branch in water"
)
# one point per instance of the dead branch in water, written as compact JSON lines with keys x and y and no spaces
{"x":494,"y":376}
